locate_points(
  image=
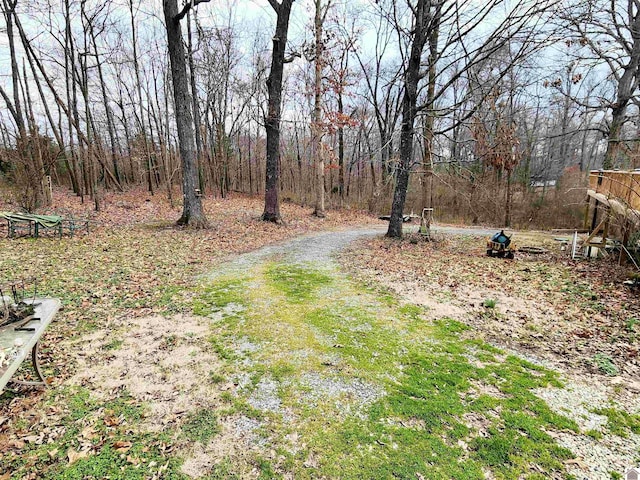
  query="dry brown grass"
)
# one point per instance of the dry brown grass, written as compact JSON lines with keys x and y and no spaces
{"x":567,"y":311}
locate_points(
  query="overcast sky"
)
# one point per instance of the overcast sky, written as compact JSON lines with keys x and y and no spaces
{"x":246,"y":17}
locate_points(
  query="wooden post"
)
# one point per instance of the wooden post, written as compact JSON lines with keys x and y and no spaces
{"x":593,"y":224}
{"x":586,"y":213}
{"x":605,"y":231}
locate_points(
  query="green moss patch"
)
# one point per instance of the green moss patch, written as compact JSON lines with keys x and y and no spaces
{"x":620,"y":422}
{"x":296,"y":282}
{"x":372,"y":389}
{"x":219,"y":295}
{"x":346,"y":381}
{"x":201,"y":425}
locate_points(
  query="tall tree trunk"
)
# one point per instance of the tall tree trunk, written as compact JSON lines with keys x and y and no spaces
{"x":626,"y":87}
{"x":427,"y":179}
{"x":508,"y":202}
{"x":31,"y":182}
{"x":301,"y":191}
{"x":136,"y":68}
{"x":192,"y":212}
{"x":109,"y":113}
{"x":196,"y":109}
{"x":316,"y":134}
{"x":36,"y":162}
{"x":340,"y":149}
{"x":272,"y":121}
{"x":69,"y":59}
{"x":9,"y":12}
{"x":83,"y":78}
{"x":54,"y":128}
{"x":409,"y":100}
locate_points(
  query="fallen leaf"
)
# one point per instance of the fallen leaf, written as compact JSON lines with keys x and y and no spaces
{"x":111,"y":421}
{"x":74,"y":456}
{"x":17,"y":444}
{"x":88,"y":432}
{"x":122,"y":446}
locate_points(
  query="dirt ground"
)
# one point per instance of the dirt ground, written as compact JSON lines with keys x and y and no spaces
{"x":133,"y":339}
{"x":575,"y":314}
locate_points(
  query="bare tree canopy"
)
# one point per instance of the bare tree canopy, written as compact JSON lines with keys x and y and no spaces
{"x":386,"y":106}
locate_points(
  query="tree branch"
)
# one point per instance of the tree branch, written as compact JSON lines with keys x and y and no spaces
{"x":291,"y":57}
{"x":275,"y":5}
{"x":186,"y":8}
{"x":7,"y":100}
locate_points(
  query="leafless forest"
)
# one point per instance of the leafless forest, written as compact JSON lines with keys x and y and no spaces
{"x":489,"y":112}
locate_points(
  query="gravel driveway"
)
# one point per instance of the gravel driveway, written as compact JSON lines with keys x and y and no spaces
{"x":596,"y":458}
{"x":320,"y":248}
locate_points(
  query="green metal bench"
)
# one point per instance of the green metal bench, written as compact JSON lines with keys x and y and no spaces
{"x":26,"y":224}
{"x":73,"y":224}
{"x":31,"y":224}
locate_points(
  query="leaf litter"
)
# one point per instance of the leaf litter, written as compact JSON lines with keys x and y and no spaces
{"x":548,"y":309}
{"x":118,"y":279}
{"x":124,"y":330}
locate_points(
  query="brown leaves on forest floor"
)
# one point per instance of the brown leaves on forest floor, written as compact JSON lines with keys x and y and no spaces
{"x":135,"y":259}
{"x":577,"y":314}
{"x":137,"y":206}
{"x":132,"y":269}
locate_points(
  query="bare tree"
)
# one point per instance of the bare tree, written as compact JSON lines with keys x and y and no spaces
{"x":457,"y":54}
{"x":425,"y":14}
{"x":316,"y":127}
{"x":272,"y":120}
{"x":99,"y":85}
{"x":611,"y":31}
{"x":192,"y":211}
{"x":383,"y":93}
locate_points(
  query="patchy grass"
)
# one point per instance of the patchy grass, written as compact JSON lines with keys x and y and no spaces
{"x":322,"y":376}
{"x":215,"y":377}
{"x":605,"y":364}
{"x":620,"y":422}
{"x":99,"y":440}
{"x":201,"y":426}
{"x":545,"y":303}
{"x":214,"y":298}
{"x":489,"y":303}
{"x":369,"y":385}
{"x":296,"y":282}
{"x":134,"y":263}
{"x":114,"y":344}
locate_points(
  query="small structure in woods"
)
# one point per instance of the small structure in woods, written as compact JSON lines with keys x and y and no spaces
{"x":613,"y":201}
{"x":33,"y":225}
{"x":425,"y":223}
